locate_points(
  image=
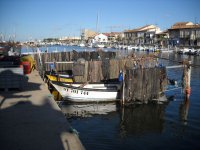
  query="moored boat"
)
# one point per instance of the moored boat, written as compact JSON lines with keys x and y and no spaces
{"x":98,"y":45}
{"x":90,"y":92}
{"x":82,"y":45}
{"x":60,"y":77}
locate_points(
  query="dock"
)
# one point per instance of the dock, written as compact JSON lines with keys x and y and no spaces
{"x":31,"y":119}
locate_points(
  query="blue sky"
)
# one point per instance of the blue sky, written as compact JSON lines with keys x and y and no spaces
{"x":38,"y":19}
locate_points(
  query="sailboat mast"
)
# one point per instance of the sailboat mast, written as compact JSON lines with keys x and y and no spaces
{"x":97,"y":23}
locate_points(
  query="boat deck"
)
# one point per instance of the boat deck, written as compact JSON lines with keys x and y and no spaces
{"x":31,"y":119}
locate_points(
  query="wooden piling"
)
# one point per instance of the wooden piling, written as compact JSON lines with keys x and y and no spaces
{"x":144,"y":84}
{"x":186,"y":78}
{"x":144,"y":81}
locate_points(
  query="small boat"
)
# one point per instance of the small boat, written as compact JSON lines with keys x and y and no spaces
{"x":61,"y":77}
{"x":98,"y":45}
{"x":183,"y":51}
{"x":90,"y":92}
{"x":191,"y":51}
{"x":166,"y":50}
{"x":82,"y":45}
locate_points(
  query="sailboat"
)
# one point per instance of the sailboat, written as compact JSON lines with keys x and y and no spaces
{"x":98,"y":44}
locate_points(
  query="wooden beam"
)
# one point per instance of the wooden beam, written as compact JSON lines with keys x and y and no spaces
{"x":60,"y":62}
{"x":173,"y":67}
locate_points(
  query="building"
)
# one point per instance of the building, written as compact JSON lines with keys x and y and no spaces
{"x":100,"y":38}
{"x":162,"y":38}
{"x":70,"y":39}
{"x":144,"y":35}
{"x":87,"y":34}
{"x":184,"y":34}
{"x":114,"y":37}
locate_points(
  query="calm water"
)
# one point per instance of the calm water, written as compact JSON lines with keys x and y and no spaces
{"x":173,"y":125}
{"x":59,"y":48}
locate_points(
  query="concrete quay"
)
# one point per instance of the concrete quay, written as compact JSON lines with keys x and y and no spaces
{"x":30,"y":119}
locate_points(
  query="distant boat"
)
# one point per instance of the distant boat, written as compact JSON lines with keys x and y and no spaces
{"x":82,"y":45}
{"x":90,"y":92}
{"x":89,"y":45}
{"x":166,"y":50}
{"x":99,"y":45}
{"x":183,"y":51}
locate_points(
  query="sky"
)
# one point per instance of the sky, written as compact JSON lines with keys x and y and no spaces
{"x":38,"y":19}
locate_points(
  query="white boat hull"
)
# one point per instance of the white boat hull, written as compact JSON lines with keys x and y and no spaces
{"x":88,"y":93}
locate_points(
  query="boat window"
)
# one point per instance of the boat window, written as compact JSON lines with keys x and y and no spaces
{"x":87,"y":93}
{"x":65,"y":89}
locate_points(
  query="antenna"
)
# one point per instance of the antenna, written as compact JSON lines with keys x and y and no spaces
{"x":195,"y":20}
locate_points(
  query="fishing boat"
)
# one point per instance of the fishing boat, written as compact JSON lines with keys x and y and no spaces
{"x":90,"y":92}
{"x":60,"y":77}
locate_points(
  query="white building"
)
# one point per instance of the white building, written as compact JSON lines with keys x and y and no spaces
{"x":100,"y":38}
{"x":142,"y":35}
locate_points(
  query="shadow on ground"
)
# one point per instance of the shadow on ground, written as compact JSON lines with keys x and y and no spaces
{"x":26,"y":126}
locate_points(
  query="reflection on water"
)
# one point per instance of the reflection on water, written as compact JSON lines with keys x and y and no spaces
{"x":142,"y":119}
{"x":87,"y":110}
{"x":183,"y":110}
{"x":173,"y":125}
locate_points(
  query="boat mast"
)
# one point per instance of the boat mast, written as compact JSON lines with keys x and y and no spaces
{"x":97,"y":23}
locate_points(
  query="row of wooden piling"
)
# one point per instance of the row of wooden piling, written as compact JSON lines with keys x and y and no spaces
{"x":144,"y":79}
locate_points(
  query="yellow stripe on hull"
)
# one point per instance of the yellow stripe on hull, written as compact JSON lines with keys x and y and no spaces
{"x":54,"y":78}
{"x":56,"y":95}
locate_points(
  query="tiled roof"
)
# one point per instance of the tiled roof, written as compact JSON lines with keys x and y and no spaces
{"x":144,"y":28}
{"x":163,"y":32}
{"x":186,"y":27}
{"x":182,"y":23}
{"x":112,"y":33}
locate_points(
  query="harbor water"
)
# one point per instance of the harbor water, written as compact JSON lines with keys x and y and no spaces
{"x":171,"y":125}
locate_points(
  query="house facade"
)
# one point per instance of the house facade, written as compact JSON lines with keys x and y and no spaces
{"x":114,"y":37}
{"x":87,"y":34}
{"x":162,"y":38}
{"x":141,"y":36}
{"x":100,"y":38}
{"x":184,"y":34}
